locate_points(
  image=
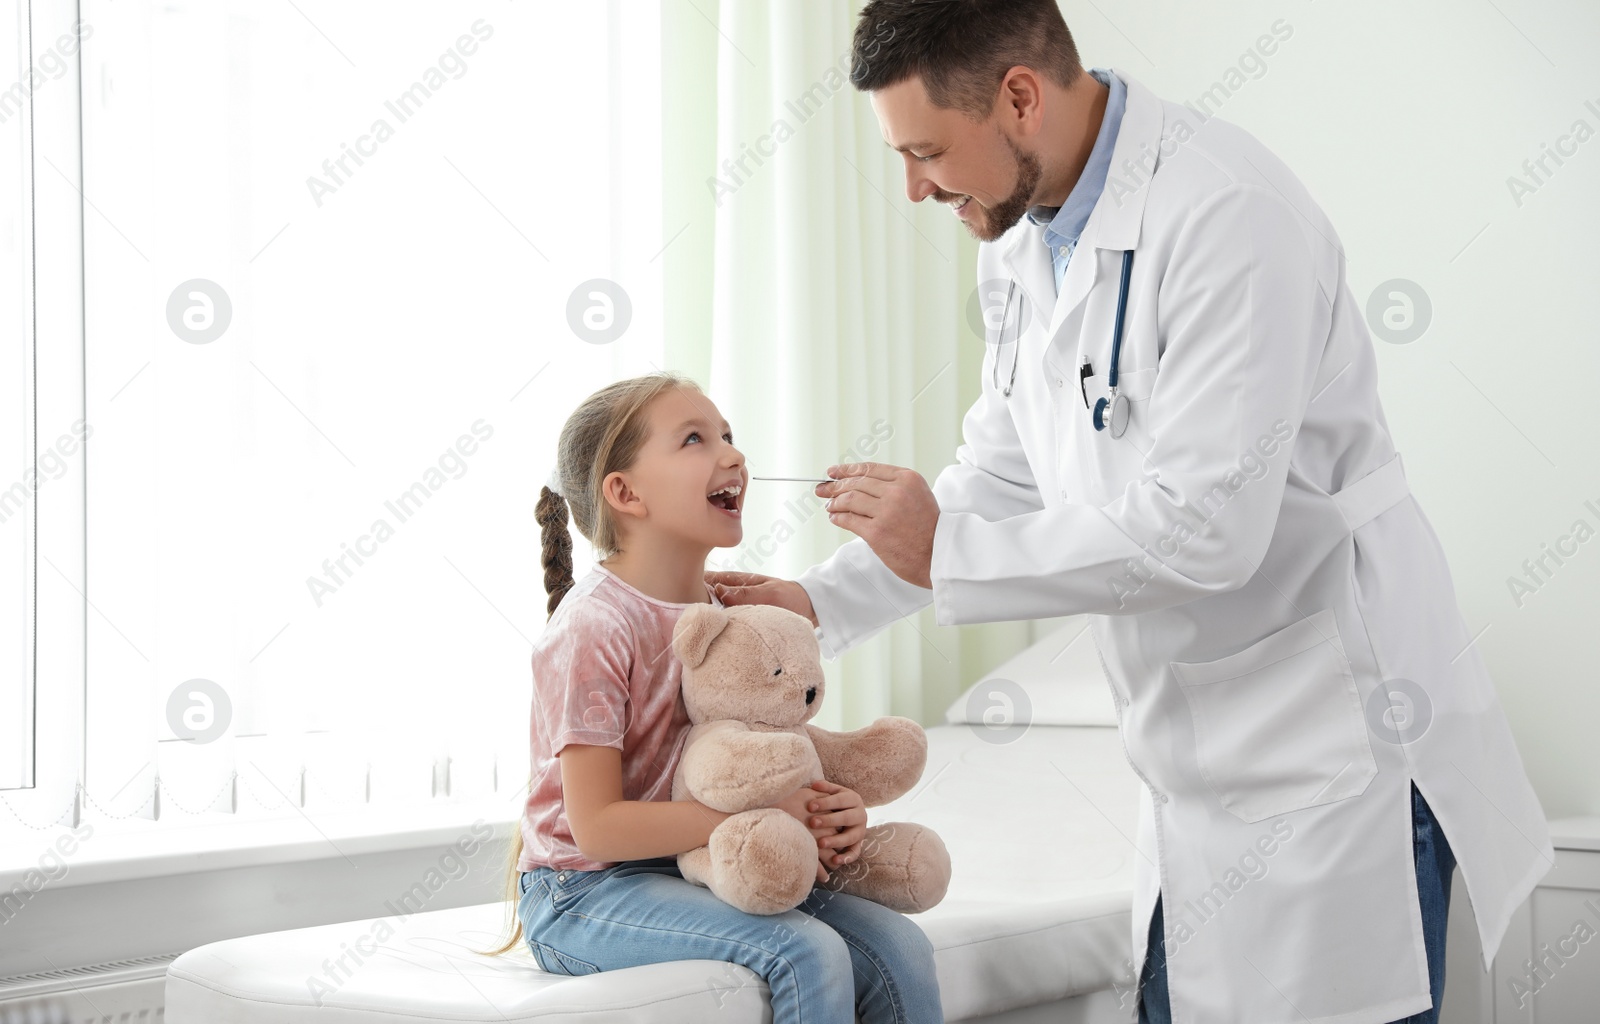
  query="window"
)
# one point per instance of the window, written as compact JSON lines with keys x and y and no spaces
{"x":327,"y":254}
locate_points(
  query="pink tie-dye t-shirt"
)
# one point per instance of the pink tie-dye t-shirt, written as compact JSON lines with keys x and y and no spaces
{"x":603,"y":674}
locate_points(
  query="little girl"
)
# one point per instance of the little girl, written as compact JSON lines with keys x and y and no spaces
{"x":646,"y":466}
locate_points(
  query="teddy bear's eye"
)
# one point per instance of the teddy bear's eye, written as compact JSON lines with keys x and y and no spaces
{"x":777,"y":671}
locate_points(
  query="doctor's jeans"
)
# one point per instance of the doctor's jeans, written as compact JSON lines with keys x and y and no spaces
{"x":644,"y":912}
{"x":1435,"y":864}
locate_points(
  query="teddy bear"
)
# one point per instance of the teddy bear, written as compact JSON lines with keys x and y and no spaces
{"x":752,"y":682}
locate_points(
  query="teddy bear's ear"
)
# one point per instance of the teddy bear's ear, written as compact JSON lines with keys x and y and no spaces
{"x":697,"y":627}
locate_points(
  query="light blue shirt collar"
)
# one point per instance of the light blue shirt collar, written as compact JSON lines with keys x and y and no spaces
{"x":1066,"y":224}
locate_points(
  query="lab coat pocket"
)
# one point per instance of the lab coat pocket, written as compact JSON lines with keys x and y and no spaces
{"x":1278,"y":726}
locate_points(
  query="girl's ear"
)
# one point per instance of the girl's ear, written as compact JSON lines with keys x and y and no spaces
{"x":616,"y":491}
{"x":697,"y":627}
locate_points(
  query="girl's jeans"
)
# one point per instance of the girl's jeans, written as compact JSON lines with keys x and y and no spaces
{"x":1435,"y":863}
{"x":643,"y":912}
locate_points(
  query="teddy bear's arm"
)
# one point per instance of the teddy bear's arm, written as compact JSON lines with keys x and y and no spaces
{"x":881,"y":761}
{"x":732,"y":768}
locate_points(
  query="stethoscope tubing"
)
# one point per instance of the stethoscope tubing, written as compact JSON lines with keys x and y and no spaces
{"x":1116,"y":405}
{"x":1122,"y":309}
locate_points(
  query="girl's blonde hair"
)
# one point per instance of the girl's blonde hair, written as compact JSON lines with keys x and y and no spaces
{"x":603,"y":436}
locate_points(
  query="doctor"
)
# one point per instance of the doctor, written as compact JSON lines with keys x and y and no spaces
{"x":1261,"y":583}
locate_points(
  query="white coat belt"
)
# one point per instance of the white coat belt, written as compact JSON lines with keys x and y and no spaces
{"x":1376,"y":493}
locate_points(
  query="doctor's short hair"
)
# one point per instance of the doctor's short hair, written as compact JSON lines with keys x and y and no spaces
{"x":602,"y":436}
{"x":961,"y":49}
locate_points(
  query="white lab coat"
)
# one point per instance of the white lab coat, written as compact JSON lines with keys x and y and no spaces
{"x":1255,"y":568}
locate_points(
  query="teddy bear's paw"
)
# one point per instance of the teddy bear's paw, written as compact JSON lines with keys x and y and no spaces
{"x":882,"y":761}
{"x":762,"y":861}
{"x":929,"y":871}
{"x":903,"y":866}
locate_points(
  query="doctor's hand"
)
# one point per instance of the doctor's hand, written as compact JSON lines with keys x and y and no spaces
{"x":752,"y":588}
{"x":891,"y":508}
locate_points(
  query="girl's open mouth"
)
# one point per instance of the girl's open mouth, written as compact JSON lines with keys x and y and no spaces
{"x":726,"y":500}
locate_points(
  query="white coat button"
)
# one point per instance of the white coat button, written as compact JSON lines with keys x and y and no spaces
{"x":1058,"y":383}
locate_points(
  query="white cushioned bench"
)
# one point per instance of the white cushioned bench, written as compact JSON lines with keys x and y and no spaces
{"x":1035,"y":926}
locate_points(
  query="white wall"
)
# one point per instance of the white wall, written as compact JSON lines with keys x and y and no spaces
{"x":1406,"y":120}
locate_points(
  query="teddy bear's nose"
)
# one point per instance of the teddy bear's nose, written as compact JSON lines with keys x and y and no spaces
{"x":811,"y":694}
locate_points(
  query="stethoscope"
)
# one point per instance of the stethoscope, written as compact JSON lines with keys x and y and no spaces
{"x":1109,"y":412}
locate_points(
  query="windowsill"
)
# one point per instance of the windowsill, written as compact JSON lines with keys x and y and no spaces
{"x":135,"y":851}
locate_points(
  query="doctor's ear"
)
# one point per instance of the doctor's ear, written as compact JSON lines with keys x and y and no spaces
{"x":1020,"y":104}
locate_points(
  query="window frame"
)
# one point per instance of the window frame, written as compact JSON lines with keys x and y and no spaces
{"x":61,"y":608}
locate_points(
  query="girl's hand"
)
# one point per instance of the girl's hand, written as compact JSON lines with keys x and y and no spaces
{"x":796,"y":805}
{"x":839,"y":821}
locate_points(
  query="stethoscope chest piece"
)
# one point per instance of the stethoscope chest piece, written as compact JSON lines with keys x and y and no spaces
{"x":1112,"y":412}
{"x":1117,"y":420}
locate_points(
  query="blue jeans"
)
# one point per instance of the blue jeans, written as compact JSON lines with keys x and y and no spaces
{"x":1435,"y":864}
{"x":644,"y":912}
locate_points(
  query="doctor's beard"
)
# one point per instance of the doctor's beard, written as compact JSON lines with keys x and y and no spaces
{"x":994,"y":221}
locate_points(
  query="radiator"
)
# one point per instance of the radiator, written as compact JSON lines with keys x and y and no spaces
{"x":131,"y":991}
